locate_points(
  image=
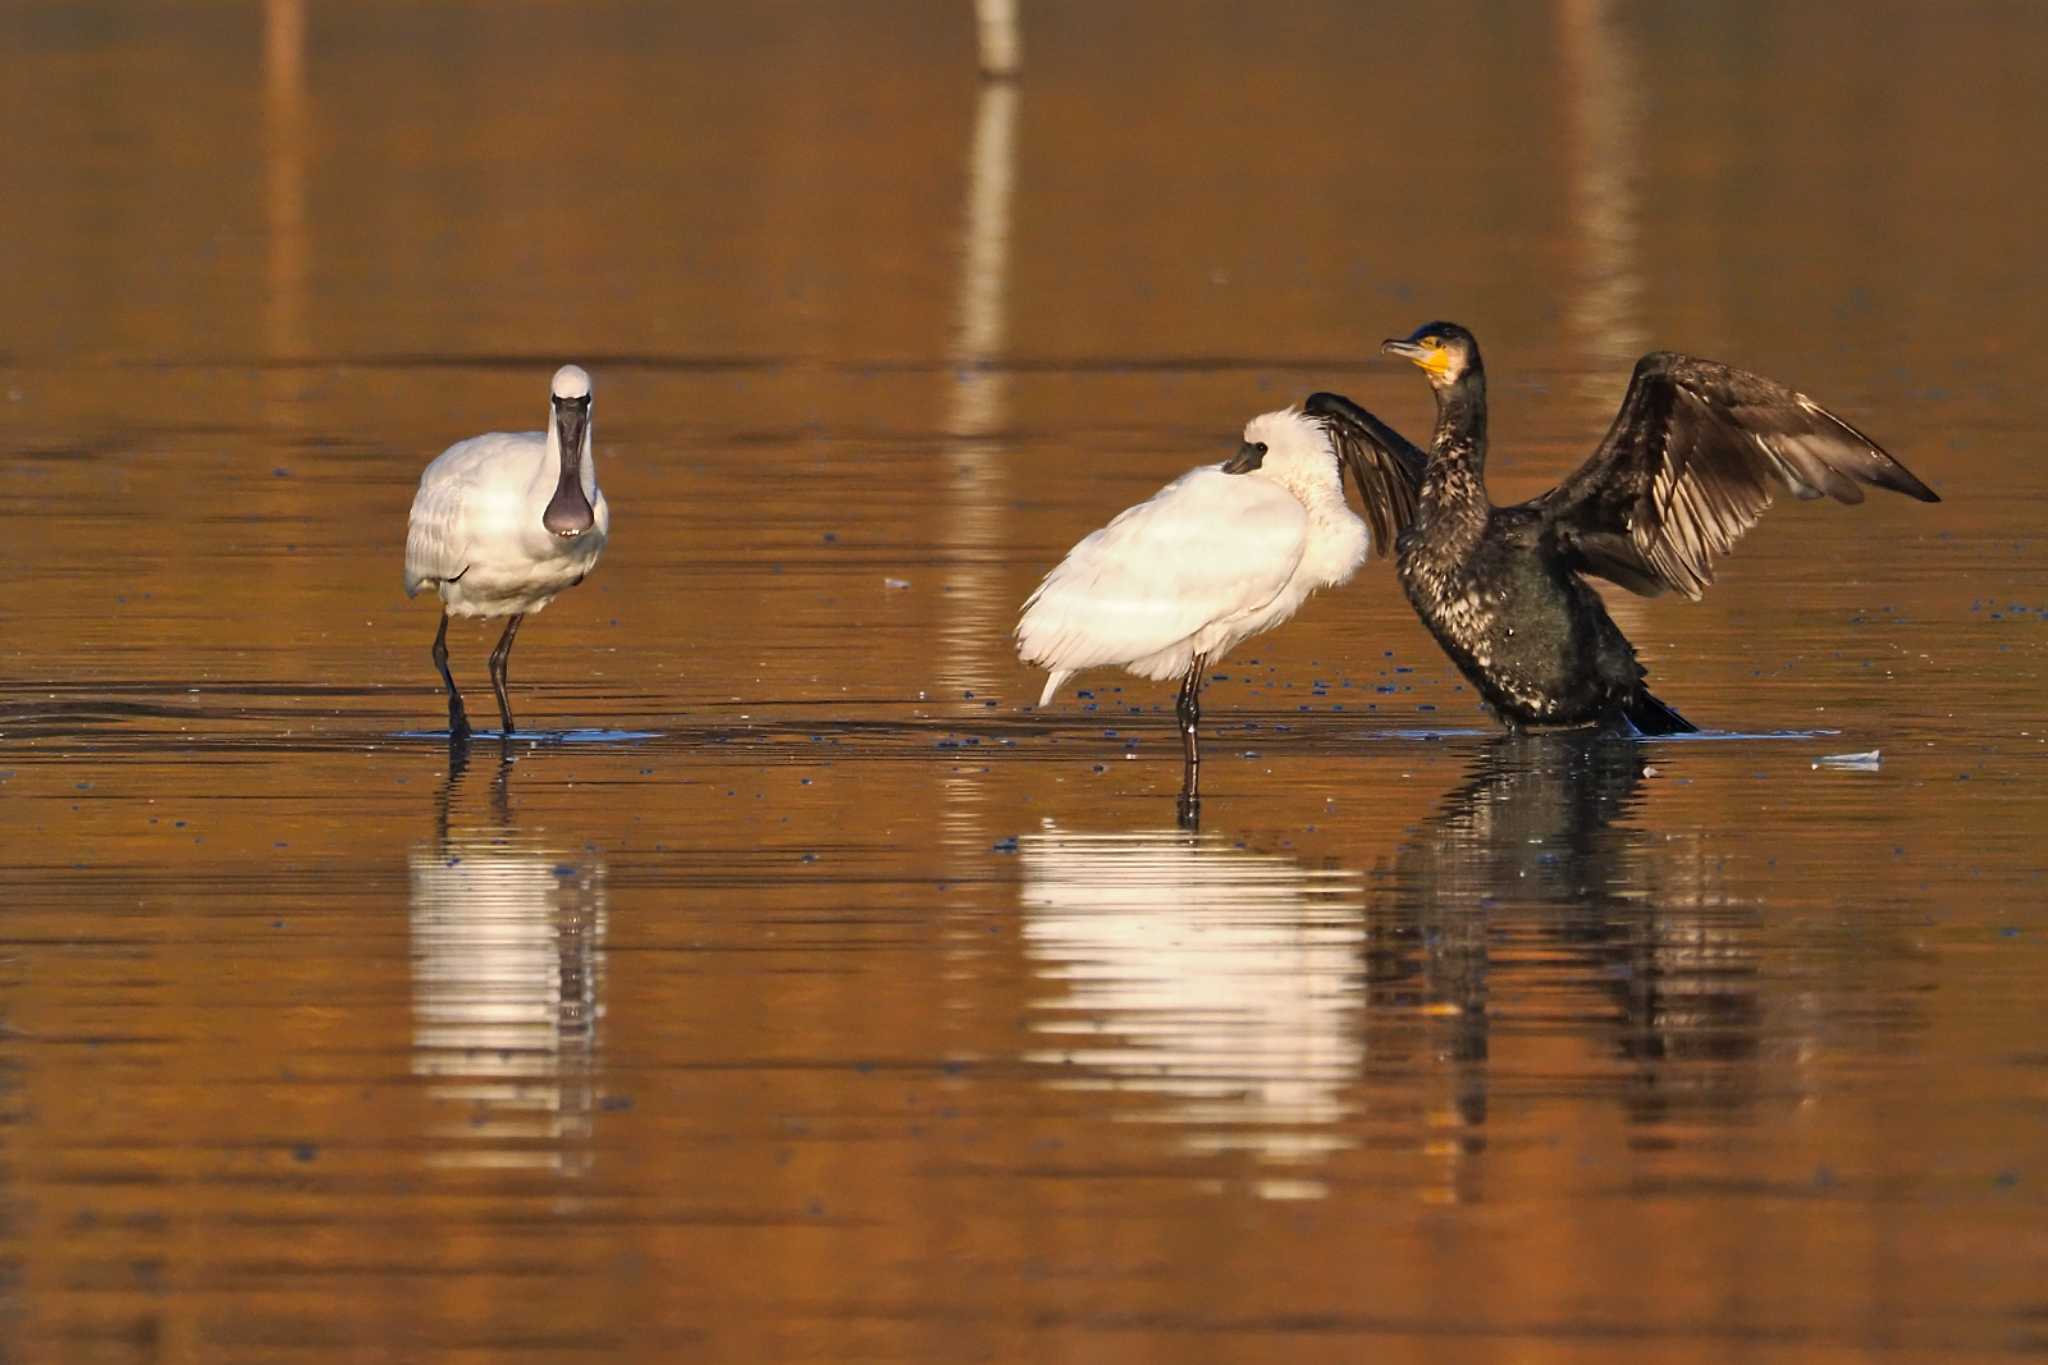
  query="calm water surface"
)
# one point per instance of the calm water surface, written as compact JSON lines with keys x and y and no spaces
{"x":795,"y":990}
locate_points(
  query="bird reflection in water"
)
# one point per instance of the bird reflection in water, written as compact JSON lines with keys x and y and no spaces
{"x":1214,"y":987}
{"x":1531,"y":905}
{"x":507,"y":941}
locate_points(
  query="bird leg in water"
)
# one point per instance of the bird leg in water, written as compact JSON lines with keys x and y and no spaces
{"x":1189,"y":710}
{"x":499,"y":657}
{"x":458,"y":721}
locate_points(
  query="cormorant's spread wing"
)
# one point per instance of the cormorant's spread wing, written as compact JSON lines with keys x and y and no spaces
{"x":1692,"y":460}
{"x":1386,"y":465}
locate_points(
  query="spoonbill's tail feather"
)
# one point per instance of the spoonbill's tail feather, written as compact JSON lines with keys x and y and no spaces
{"x":1053,"y":684}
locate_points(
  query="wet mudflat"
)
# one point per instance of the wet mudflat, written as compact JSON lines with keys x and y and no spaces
{"x":789,"y":987}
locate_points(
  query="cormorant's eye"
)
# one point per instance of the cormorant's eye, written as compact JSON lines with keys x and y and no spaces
{"x":1434,"y":343}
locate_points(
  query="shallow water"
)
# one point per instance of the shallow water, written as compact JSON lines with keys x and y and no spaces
{"x":789,"y":987}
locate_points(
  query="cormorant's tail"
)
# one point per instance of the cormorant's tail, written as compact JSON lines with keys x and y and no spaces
{"x":1653,"y":717}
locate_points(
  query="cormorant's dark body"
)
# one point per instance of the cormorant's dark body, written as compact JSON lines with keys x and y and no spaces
{"x":1530,"y":635}
{"x":1688,"y":465}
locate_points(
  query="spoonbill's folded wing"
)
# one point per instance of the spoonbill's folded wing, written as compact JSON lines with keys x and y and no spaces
{"x":1206,"y":548}
{"x":437,"y":538}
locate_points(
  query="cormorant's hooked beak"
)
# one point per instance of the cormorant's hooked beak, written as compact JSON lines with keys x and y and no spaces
{"x":569,"y":513}
{"x":1249,"y":456}
{"x":1434,"y":359}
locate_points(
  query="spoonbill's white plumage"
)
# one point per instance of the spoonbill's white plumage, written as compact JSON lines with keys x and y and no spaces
{"x":504,"y":522}
{"x":1217,"y":556}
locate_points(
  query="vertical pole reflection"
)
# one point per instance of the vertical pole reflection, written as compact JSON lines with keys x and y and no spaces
{"x":1604,"y":75}
{"x":1203,"y":986}
{"x":507,"y":986}
{"x":284,"y":142}
{"x":973,"y":626}
{"x":1002,"y":47}
{"x":975,"y":620}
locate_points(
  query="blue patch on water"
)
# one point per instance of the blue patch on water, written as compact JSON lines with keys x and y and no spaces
{"x":1709,"y":736}
{"x":1698,"y":737}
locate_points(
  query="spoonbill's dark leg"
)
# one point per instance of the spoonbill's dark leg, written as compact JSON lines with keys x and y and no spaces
{"x":458,"y":721}
{"x":1189,"y":710}
{"x":499,"y":656}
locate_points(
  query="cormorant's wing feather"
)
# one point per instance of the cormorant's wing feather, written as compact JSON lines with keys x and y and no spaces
{"x":1693,"y":458}
{"x":1386,"y":466}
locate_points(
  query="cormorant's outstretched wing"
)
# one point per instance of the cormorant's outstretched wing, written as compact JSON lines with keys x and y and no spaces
{"x":1385,"y":464}
{"x":1692,"y":460}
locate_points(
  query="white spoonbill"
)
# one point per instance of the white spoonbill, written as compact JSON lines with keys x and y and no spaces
{"x":504,"y":522}
{"x":1217,"y":556}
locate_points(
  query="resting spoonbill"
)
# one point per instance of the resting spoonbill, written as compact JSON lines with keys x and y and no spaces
{"x":1215,"y":557}
{"x":502,"y":523}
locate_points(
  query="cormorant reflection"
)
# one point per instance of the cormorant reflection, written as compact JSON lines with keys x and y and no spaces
{"x":507,"y":982}
{"x":1529,"y":902}
{"x":1217,"y":983}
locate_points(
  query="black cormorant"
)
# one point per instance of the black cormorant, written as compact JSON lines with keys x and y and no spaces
{"x":1690,"y":463}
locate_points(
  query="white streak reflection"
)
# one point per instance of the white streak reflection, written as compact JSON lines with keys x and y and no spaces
{"x":977,"y":613}
{"x":507,"y":990}
{"x":285,"y":120}
{"x":1604,"y":72}
{"x":1001,"y":45}
{"x":1606,"y":103}
{"x":1221,"y":981}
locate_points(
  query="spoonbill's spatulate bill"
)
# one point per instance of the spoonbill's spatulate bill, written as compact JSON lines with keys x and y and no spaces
{"x":504,"y":522}
{"x":1692,"y":460}
{"x":1217,"y":556}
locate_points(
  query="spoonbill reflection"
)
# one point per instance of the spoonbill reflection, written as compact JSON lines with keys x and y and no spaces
{"x":1221,"y":981}
{"x":507,"y":985}
{"x":1219,"y":555}
{"x":504,"y":522}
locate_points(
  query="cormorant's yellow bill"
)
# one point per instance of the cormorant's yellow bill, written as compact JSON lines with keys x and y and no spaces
{"x":1427,"y":351}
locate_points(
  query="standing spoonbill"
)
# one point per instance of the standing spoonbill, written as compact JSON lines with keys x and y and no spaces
{"x":1219,"y":555}
{"x":502,"y":523}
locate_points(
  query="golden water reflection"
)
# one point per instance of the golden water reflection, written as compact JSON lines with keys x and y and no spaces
{"x":1688,"y":1050}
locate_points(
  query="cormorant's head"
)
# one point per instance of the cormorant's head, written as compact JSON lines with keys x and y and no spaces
{"x":1444,"y":351}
